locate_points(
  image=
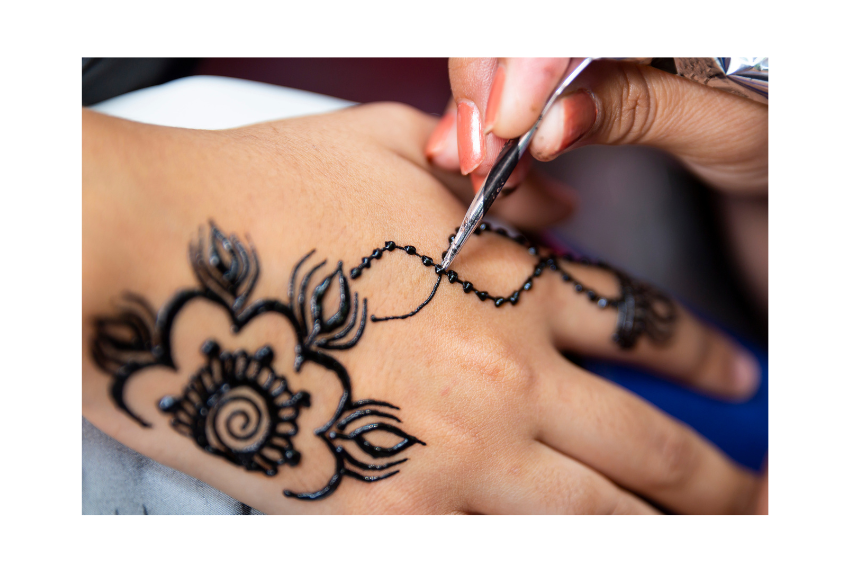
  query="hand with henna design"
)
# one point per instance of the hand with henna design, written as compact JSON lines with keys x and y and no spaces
{"x":227,"y":333}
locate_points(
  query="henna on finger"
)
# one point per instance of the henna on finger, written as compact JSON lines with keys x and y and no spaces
{"x":641,"y":308}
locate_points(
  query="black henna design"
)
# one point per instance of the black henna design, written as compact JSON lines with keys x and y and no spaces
{"x":236,"y":406}
{"x":641,"y":309}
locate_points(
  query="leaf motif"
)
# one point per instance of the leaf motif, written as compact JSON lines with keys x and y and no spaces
{"x":127,"y":337}
{"x":225,"y":267}
{"x":320,"y":326}
{"x":359,"y":436}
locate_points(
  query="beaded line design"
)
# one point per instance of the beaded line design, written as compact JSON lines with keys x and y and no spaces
{"x":641,"y":308}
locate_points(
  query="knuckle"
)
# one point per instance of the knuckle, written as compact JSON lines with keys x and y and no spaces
{"x":675,"y":458}
{"x":638,"y":106}
{"x":494,"y":361}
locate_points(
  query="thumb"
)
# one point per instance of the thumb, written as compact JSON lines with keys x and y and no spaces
{"x":720,"y":136}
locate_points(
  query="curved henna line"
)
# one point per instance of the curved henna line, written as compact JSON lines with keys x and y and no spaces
{"x":364,"y":413}
{"x":350,"y":343}
{"x":366,"y":467}
{"x":302,"y":297}
{"x":330,"y":363}
{"x":275,"y":307}
{"x":119,"y":382}
{"x":341,"y":334}
{"x":334,"y":481}
{"x":375,"y":450}
{"x":369,"y":479}
{"x":416,"y":311}
{"x":319,"y":323}
{"x":167,"y":315}
{"x":363,"y":402}
{"x":294,"y":275}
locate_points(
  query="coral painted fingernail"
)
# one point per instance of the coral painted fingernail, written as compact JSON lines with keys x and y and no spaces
{"x":438,"y":138}
{"x":495,"y":99}
{"x":470,"y":136}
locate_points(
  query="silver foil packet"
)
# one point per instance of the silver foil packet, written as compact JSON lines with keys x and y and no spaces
{"x":746,"y":77}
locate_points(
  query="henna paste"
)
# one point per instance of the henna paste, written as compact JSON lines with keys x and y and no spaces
{"x":236,"y":406}
{"x":641,"y":309}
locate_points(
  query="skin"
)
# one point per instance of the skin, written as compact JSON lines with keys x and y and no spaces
{"x":510,"y":425}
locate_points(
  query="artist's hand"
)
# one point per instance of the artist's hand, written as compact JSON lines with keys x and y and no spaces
{"x":721,"y":137}
{"x":502,"y":422}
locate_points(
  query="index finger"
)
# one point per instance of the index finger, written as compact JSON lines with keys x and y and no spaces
{"x":498,"y":99}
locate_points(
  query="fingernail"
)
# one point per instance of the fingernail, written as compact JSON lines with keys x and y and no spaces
{"x":495,"y":99}
{"x":564,"y":125}
{"x":746,"y":372}
{"x":438,"y":138}
{"x":470,"y":137}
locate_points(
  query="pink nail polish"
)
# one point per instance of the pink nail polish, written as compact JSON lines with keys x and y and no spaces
{"x":746,"y":372}
{"x":495,"y":99}
{"x":438,"y":138}
{"x":470,"y":136}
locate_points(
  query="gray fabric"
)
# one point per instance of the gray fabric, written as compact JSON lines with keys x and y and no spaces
{"x":117,"y":480}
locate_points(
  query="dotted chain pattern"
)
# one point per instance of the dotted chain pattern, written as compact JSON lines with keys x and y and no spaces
{"x":634,"y":303}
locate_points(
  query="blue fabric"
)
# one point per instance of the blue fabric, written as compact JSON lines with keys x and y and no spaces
{"x":739,"y":429}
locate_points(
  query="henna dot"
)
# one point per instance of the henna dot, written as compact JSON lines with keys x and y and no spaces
{"x":527,"y":285}
{"x":167,"y":403}
{"x":602,"y":303}
{"x":332,"y":435}
{"x":566,"y":277}
{"x":439,"y":269}
{"x":444,"y":254}
{"x":467,"y":287}
{"x":481,"y":295}
{"x":389,"y":245}
{"x":579,"y":287}
{"x":532,"y":250}
{"x":427,"y":261}
{"x":501,"y":232}
{"x":452,"y":276}
{"x":592,"y":295}
{"x":366,"y":262}
{"x":538,"y":270}
{"x":484,"y":226}
{"x":355,"y":272}
{"x":514,"y":297}
{"x":410,"y":249}
{"x":377,"y":253}
{"x":499,"y":301}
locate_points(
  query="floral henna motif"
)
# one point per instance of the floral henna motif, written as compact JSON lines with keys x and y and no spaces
{"x":236,"y":406}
